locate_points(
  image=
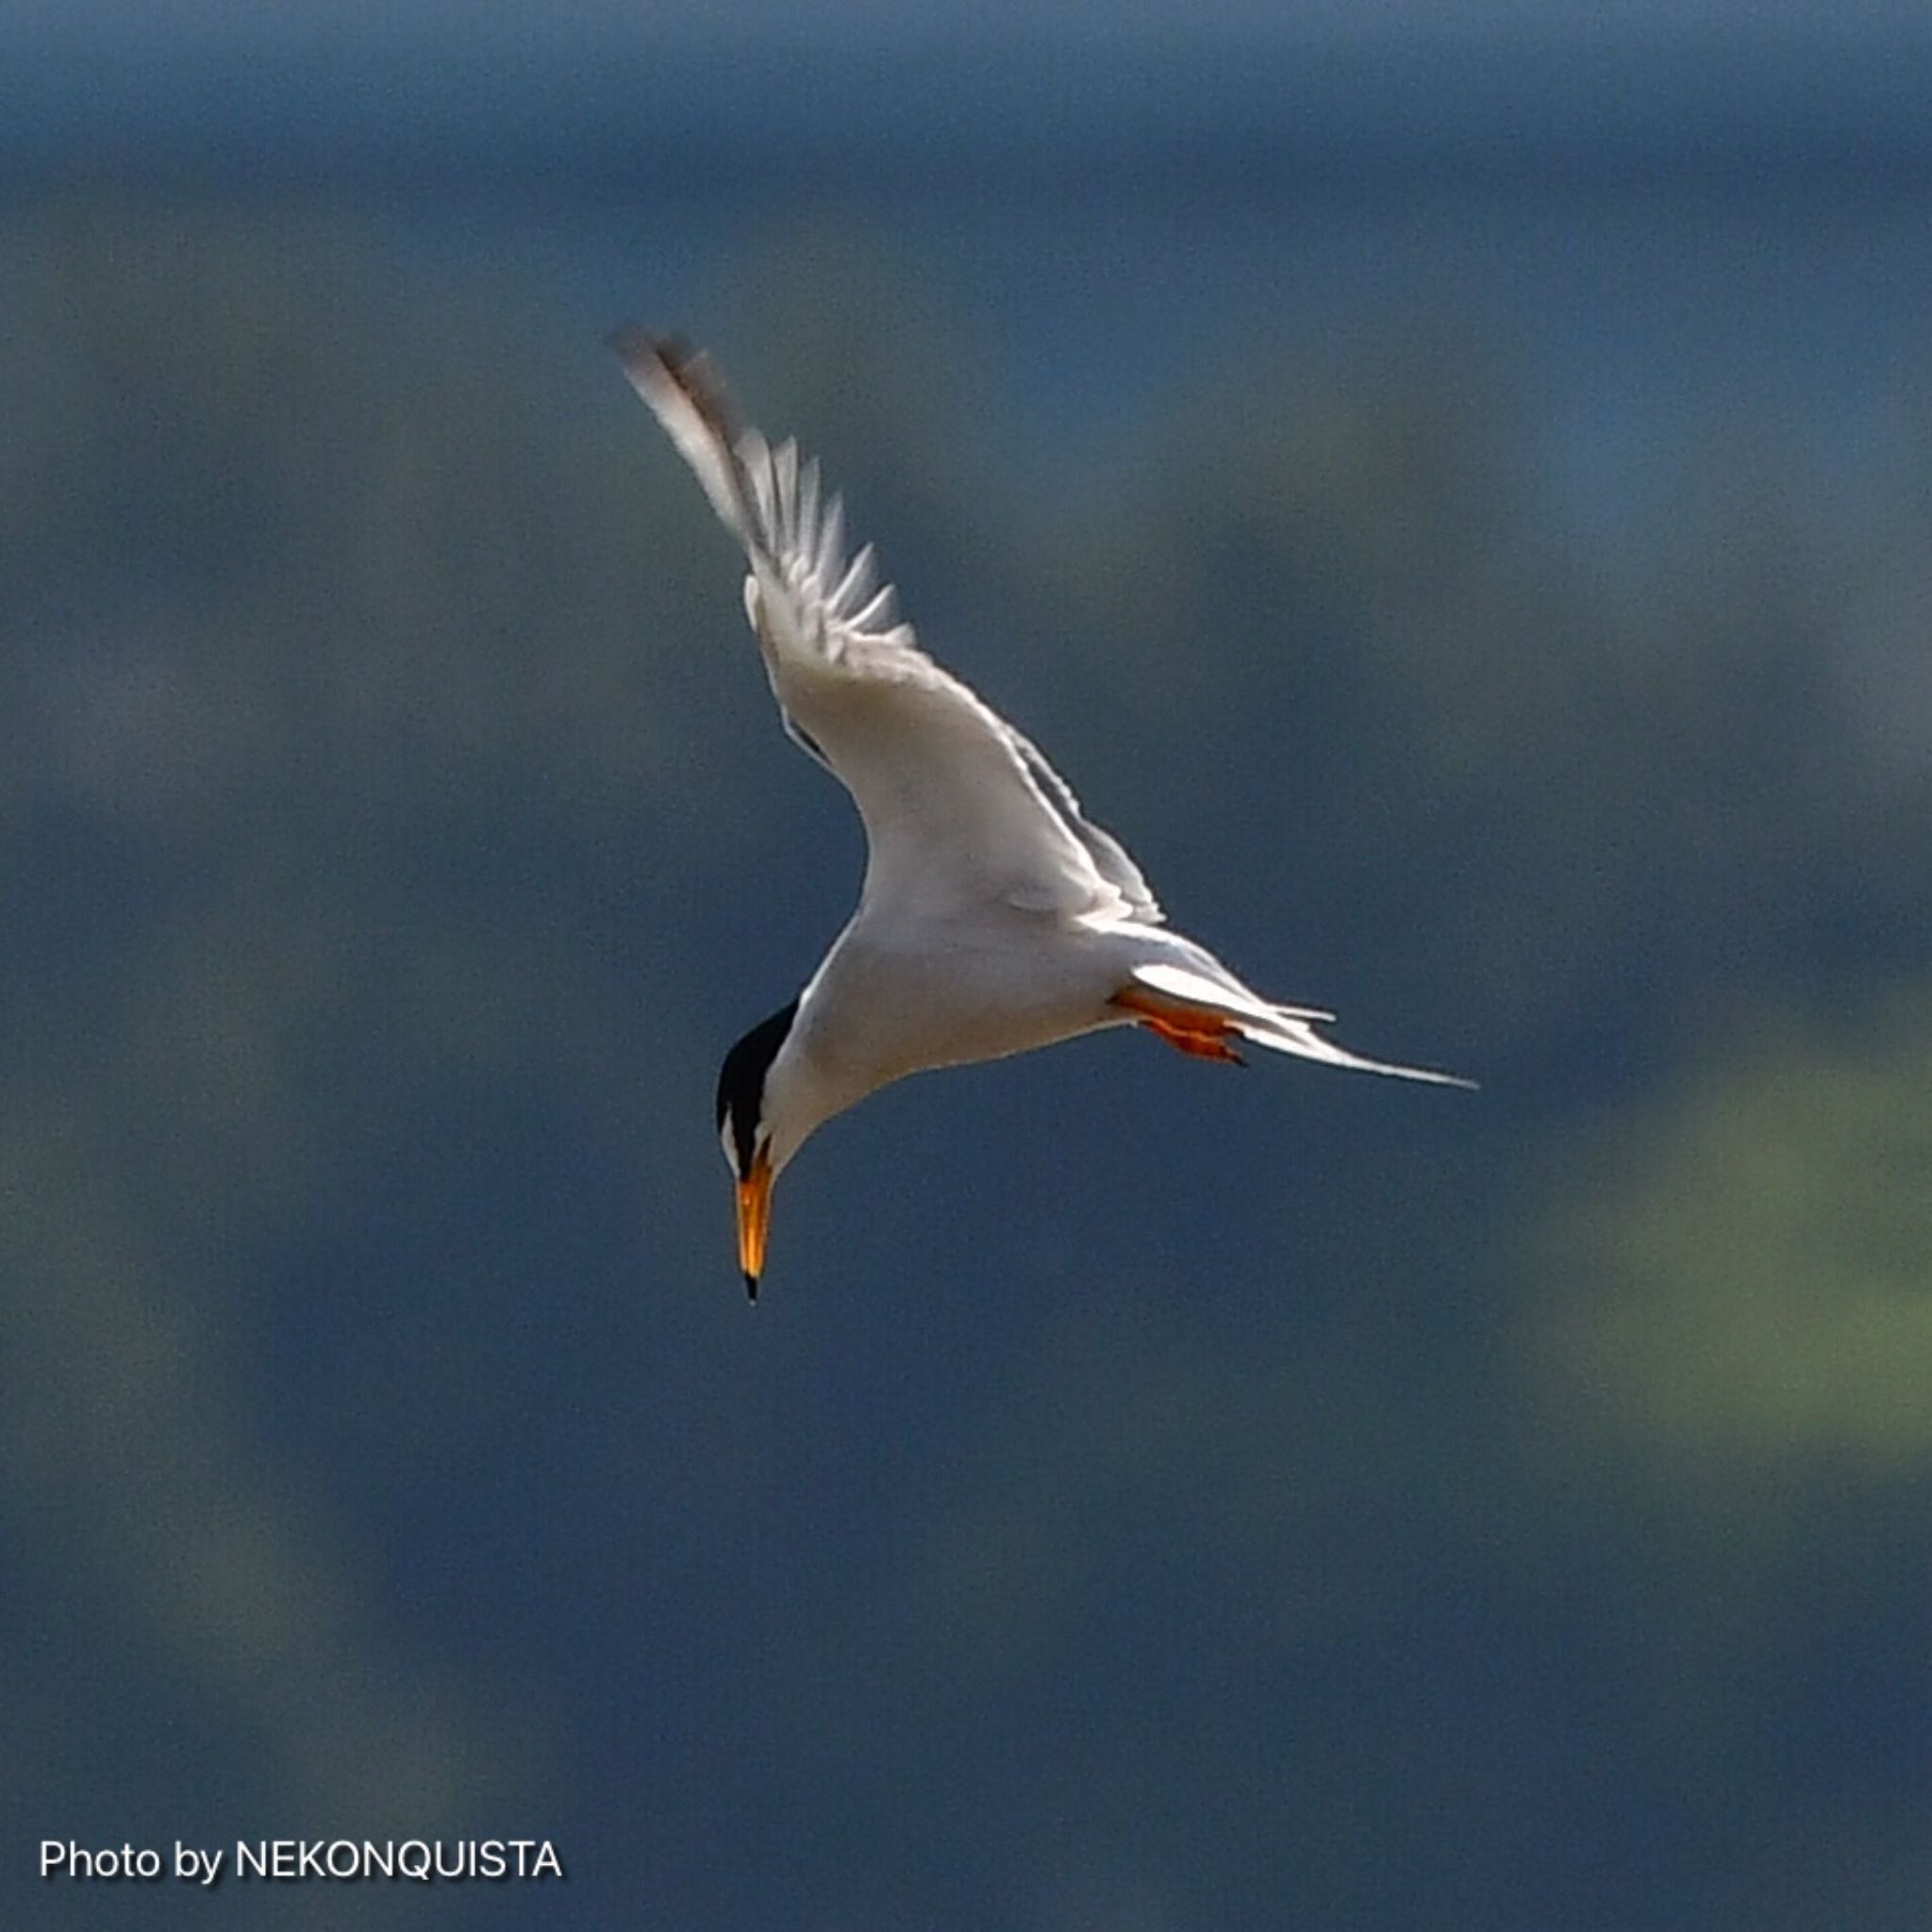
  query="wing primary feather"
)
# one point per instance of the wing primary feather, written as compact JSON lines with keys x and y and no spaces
{"x":831,"y":547}
{"x":755,"y":460}
{"x":879,"y":614}
{"x":685,"y":395}
{"x":785,"y":492}
{"x":809,"y":513}
{"x":855,"y":585}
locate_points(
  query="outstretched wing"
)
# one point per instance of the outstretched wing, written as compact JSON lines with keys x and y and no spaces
{"x":959,"y":807}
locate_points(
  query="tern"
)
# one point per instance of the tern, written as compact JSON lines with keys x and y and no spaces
{"x":995,"y":916}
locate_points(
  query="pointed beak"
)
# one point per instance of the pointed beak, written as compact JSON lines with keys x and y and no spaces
{"x":753,"y":1219}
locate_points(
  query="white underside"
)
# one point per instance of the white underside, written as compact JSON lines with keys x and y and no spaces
{"x":895,"y":997}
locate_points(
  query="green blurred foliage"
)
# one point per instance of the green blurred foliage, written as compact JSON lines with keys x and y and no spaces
{"x":1744,"y":1281}
{"x":1248,"y":1504}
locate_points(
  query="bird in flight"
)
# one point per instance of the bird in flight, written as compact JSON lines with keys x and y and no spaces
{"x":995,"y":916}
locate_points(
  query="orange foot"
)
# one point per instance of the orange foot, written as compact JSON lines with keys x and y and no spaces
{"x":1191,"y":1030}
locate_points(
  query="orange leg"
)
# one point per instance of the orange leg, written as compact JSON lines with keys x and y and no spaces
{"x":1191,"y":1030}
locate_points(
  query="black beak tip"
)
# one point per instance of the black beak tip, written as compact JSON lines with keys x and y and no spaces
{"x":751,"y":1288}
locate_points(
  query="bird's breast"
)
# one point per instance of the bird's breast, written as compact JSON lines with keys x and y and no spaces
{"x":887,"y":1003}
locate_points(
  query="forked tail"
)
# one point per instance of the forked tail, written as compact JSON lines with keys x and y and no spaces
{"x":1197,"y":1015}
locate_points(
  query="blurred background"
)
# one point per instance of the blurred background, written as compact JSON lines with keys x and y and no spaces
{"x":1452,"y":485}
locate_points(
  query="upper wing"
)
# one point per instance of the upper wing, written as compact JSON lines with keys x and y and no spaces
{"x":957,"y":805}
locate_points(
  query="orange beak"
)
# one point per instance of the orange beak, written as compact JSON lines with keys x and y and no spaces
{"x":754,"y":1219}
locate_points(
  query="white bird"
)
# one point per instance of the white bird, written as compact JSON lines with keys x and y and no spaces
{"x":995,"y":917}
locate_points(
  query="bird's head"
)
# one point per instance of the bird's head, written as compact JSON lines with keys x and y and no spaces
{"x":762,"y":1124}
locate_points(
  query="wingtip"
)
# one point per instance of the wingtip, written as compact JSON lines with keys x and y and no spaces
{"x":648,"y":360}
{"x":655,"y":363}
{"x":632,"y":344}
